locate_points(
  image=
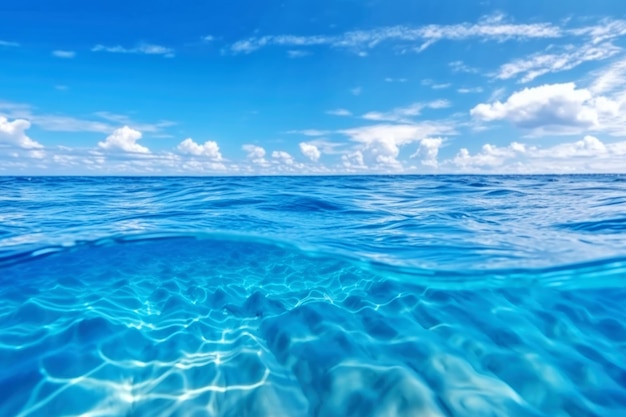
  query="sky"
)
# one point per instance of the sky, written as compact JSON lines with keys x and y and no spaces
{"x":302,"y":87}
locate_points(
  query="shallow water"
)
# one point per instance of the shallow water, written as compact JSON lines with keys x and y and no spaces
{"x":355,"y":296}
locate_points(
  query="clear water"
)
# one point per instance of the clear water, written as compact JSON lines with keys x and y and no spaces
{"x":347,"y":296}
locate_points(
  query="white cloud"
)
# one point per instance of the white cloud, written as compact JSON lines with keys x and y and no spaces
{"x":283,"y":157}
{"x":208,"y":38}
{"x":586,"y":155}
{"x":310,"y":132}
{"x":64,"y":54}
{"x":430,"y":83}
{"x":395,"y":80}
{"x":310,"y":151}
{"x":61,"y":87}
{"x":418,"y":38}
{"x":470,"y":90}
{"x":356,"y":91}
{"x":339,"y":112}
{"x":14,"y":133}
{"x":353,"y":161}
{"x":610,"y":79}
{"x":428,"y":151}
{"x":572,"y":56}
{"x":553,"y":107}
{"x":9,"y":44}
{"x":210,"y":149}
{"x":255,"y":154}
{"x":124,"y":139}
{"x":381,"y":143}
{"x":60,"y":123}
{"x":144,"y":48}
{"x":606,"y":29}
{"x":460,"y":66}
{"x":403,"y":114}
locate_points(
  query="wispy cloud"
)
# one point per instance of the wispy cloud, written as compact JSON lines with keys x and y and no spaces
{"x":460,"y":66}
{"x":339,"y":112}
{"x":435,"y":86}
{"x":395,"y":80}
{"x":470,"y":90}
{"x":418,"y":38}
{"x":310,"y":132}
{"x":404,"y":114}
{"x":144,"y":49}
{"x":9,"y":44}
{"x":297,"y":53}
{"x":121,"y":119}
{"x":356,"y":91}
{"x":63,"y":54}
{"x":61,"y":123}
{"x":569,"y":57}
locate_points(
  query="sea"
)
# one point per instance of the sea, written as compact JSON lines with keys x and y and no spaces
{"x":455,"y":296}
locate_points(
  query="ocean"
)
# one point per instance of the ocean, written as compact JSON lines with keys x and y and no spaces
{"x":313,"y":296}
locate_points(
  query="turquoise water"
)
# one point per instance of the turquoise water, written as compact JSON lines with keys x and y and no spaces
{"x":348,"y":296}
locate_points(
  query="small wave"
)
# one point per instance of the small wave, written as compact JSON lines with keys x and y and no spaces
{"x":614,"y":225}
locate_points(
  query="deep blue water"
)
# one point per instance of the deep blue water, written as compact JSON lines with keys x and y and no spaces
{"x":307,"y":296}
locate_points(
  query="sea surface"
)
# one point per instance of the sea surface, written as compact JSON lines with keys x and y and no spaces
{"x":313,"y":296}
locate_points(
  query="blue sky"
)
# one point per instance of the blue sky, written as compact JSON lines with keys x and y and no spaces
{"x":302,"y":87}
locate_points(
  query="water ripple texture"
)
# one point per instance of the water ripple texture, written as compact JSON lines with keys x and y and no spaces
{"x":350,"y":296}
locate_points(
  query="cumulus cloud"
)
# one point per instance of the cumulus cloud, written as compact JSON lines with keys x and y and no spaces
{"x":144,"y":49}
{"x":255,"y":154}
{"x":353,"y":161}
{"x":283,"y":157}
{"x":589,"y":154}
{"x":64,"y":54}
{"x":550,"y":106}
{"x":381,"y":143}
{"x":14,"y":133}
{"x":124,"y":139}
{"x":310,"y":151}
{"x":428,"y":151}
{"x":209,"y":149}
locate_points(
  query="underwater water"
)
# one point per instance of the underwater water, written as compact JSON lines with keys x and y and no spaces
{"x":313,"y":296}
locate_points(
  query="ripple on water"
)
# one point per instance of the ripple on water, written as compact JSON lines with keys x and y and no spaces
{"x":229,"y":326}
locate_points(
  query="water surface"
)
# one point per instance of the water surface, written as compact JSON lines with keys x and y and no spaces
{"x":313,"y":296}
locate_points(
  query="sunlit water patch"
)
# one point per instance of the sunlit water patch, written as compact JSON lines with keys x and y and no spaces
{"x":228,"y":325}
